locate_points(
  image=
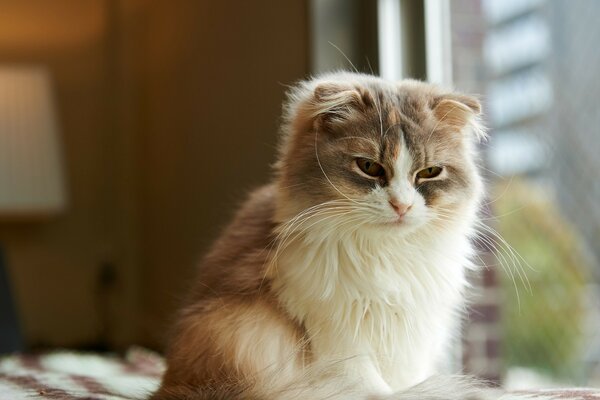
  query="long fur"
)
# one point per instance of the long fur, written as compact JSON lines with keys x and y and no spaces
{"x":318,"y":289}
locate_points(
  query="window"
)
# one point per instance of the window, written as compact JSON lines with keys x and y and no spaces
{"x":534,"y":62}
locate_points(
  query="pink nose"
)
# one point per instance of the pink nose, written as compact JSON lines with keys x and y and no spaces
{"x":399,"y":207}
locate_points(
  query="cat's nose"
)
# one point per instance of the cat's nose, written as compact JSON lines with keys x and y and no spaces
{"x":399,"y":207}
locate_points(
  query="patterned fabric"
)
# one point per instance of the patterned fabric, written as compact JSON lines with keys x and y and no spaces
{"x":65,"y":375}
{"x":554,"y":394}
{"x":77,"y":376}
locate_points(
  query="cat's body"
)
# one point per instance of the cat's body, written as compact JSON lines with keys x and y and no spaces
{"x":343,"y":278}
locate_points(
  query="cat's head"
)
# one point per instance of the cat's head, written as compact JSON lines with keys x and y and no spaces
{"x":359,"y":152}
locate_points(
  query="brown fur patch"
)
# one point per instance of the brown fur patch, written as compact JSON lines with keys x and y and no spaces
{"x":233,"y":338}
{"x":393,"y":117}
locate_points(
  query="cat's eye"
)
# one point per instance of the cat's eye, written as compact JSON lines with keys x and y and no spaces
{"x":370,"y":167}
{"x":428,"y":173}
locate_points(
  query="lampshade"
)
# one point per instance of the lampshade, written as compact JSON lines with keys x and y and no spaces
{"x":31,"y":170}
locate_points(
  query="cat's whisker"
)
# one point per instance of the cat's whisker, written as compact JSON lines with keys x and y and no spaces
{"x":369,"y":65}
{"x":298,"y":216}
{"x":509,"y":258}
{"x":298,"y":227}
{"x":284,"y":235}
{"x":491,"y":172}
{"x":298,"y":231}
{"x":517,"y":256}
{"x":482,"y":263}
{"x":498,"y":217}
{"x":504,"y":191}
{"x":337,"y":213}
{"x":494,"y":249}
{"x":345,"y":56}
{"x":380,"y":113}
{"x":299,"y":219}
{"x":302,"y":214}
{"x":507,"y":249}
{"x":285,"y":227}
{"x":312,"y":209}
{"x":495,"y":233}
{"x":323,"y":170}
{"x":354,"y":220}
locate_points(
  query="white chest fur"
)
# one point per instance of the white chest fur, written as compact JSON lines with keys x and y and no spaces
{"x":387,"y":303}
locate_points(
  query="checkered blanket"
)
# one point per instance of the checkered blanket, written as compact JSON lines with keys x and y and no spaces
{"x":76,"y":376}
{"x":70,"y":376}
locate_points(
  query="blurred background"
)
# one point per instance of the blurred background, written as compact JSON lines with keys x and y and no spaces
{"x":131,"y":129}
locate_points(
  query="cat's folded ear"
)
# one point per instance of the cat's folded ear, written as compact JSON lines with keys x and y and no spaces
{"x":334,"y":103}
{"x":457,"y":111}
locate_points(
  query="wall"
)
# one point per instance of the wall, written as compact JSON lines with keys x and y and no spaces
{"x":169,"y":114}
{"x":211,"y":108}
{"x":55,"y":264}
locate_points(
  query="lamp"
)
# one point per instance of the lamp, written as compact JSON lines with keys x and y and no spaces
{"x":31,"y":171}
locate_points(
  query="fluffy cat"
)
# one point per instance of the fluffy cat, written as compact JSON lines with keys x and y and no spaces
{"x":344,"y":277}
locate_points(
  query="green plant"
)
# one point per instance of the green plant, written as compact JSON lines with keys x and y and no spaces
{"x":542,"y":324}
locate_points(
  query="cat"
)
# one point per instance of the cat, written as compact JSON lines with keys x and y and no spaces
{"x":343,"y":278}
